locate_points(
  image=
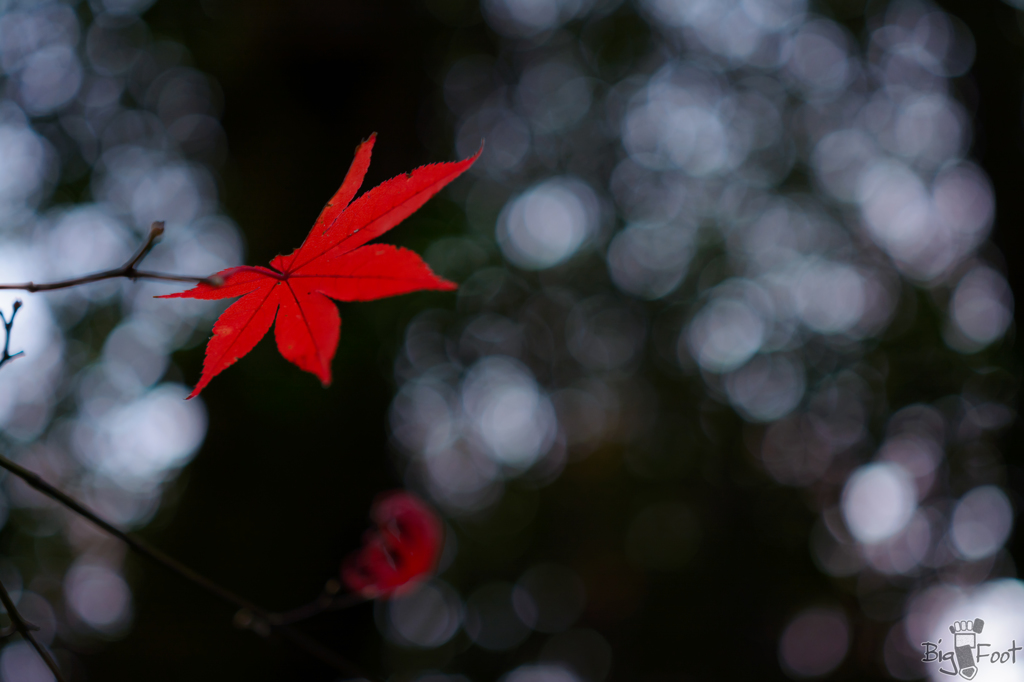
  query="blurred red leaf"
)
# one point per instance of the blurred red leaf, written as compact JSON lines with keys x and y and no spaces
{"x":333,"y":262}
{"x":399,"y":552}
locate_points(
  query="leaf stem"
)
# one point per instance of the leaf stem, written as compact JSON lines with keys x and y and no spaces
{"x":22,"y":626}
{"x":257,"y":619}
{"x":128,"y":270}
{"x":329,"y":600}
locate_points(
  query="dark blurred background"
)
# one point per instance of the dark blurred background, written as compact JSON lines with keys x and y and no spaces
{"x":630,"y":492}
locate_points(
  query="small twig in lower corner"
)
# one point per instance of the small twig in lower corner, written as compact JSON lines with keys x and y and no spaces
{"x":331,"y":599}
{"x":8,"y":325}
{"x":252,"y":617}
{"x":24,"y":628}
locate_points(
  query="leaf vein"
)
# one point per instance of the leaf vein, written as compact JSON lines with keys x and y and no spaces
{"x":305,"y":321}
{"x":238,"y":336}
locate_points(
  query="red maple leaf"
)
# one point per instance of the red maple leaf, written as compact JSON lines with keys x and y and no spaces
{"x":399,"y":552}
{"x":331,"y":263}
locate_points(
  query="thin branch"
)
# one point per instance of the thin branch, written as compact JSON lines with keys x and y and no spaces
{"x":251,"y":616}
{"x":329,"y":600}
{"x":25,"y":629}
{"x":128,"y":270}
{"x":8,"y":325}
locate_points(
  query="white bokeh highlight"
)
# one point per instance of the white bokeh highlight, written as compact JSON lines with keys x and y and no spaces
{"x":548,"y":224}
{"x":878,"y":501}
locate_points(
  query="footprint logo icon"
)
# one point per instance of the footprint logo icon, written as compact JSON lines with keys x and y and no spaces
{"x":965,"y":638}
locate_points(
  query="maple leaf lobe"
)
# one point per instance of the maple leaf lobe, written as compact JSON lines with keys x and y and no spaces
{"x":333,"y":262}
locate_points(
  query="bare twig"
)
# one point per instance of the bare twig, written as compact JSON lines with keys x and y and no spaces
{"x":329,"y":600}
{"x":8,"y":325}
{"x":128,"y":270}
{"x":25,"y":629}
{"x":250,"y":616}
